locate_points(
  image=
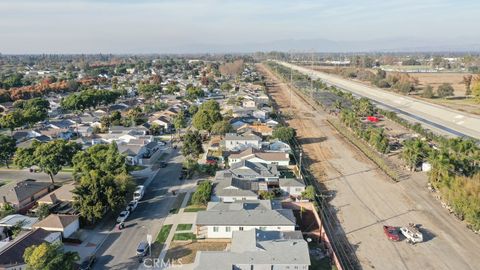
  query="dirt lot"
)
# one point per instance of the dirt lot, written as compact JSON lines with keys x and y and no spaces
{"x":365,"y":199}
{"x":185,"y":252}
{"x":436,"y":79}
{"x":433,"y":79}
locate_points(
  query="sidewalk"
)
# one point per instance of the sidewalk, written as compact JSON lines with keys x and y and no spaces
{"x":179,"y":218}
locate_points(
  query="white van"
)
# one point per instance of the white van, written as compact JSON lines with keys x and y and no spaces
{"x":138,"y":194}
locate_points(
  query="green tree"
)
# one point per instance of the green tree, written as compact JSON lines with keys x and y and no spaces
{"x":50,"y":156}
{"x":180,"y":120}
{"x":445,"y":90}
{"x":148,"y":91}
{"x":12,"y":120}
{"x":102,"y":179}
{"x":48,"y":256}
{"x":207,"y":115}
{"x":7,"y":148}
{"x":192,"y":144}
{"x":284,"y":134}
{"x":476,"y":89}
{"x":193,"y":109}
{"x":33,"y":110}
{"x":363,"y":107}
{"x":43,"y":211}
{"x":222,"y":127}
{"x":414,"y":152}
{"x":226,"y":86}
{"x":194,"y":92}
{"x":428,"y":92}
{"x":201,"y":196}
{"x":309,"y":193}
{"x":266,"y":195}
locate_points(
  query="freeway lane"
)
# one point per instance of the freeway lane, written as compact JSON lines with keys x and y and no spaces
{"x":118,"y":250}
{"x":438,"y":118}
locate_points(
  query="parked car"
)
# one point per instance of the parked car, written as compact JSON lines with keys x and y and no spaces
{"x":88,"y":263}
{"x":163,"y":164}
{"x":138,"y":193}
{"x":391,"y":232}
{"x":412,"y":233}
{"x":142,"y":249}
{"x":123,"y":216}
{"x":132,"y":205}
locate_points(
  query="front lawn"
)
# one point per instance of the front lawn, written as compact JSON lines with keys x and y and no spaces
{"x":184,"y":227}
{"x":184,"y":236}
{"x":163,"y":234}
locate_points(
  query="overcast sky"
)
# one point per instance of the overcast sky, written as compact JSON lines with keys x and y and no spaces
{"x":148,"y":26}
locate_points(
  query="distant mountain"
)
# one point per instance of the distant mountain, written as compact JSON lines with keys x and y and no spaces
{"x":406,"y":44}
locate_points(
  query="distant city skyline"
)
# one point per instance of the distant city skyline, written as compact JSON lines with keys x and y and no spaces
{"x":182,"y":26}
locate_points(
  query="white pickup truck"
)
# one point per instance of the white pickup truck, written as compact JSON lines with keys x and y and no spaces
{"x":138,"y":193}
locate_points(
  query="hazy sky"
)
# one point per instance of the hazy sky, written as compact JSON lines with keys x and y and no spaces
{"x":144,"y":26}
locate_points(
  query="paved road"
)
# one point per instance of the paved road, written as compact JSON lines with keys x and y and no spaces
{"x":118,"y":250}
{"x":19,"y":175}
{"x":438,"y":118}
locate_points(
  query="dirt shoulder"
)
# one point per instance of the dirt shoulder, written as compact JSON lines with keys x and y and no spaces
{"x":365,"y":199}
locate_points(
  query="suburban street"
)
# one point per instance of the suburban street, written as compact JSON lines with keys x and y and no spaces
{"x":438,"y":118}
{"x":119,"y":249}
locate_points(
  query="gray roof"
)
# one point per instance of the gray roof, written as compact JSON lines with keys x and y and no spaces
{"x":244,"y":217}
{"x":235,"y":136}
{"x":255,"y":247}
{"x":240,"y":205}
{"x":290,"y":182}
{"x":247,"y":169}
{"x":17,"y":192}
{"x":233,"y":187}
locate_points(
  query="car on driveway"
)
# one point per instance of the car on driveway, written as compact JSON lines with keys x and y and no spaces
{"x":211,"y":160}
{"x":391,"y":232}
{"x":142,"y":249}
{"x":123,"y":216}
{"x":132,"y":205}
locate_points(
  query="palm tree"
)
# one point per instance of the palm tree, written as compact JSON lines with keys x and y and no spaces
{"x":414,"y":151}
{"x":442,"y":167}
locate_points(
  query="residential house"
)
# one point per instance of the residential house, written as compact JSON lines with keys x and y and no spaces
{"x":134,"y":153}
{"x":291,"y":186}
{"x":164,"y":122}
{"x":257,"y":249}
{"x":278,"y":146}
{"x":227,"y":188}
{"x":235,"y":142}
{"x":11,"y":257}
{"x":23,"y":135}
{"x":60,"y":200}
{"x":258,"y":156}
{"x":65,"y":224}
{"x":12,"y":220}
{"x":260,"y":114}
{"x":254,"y":171}
{"x":23,"y":194}
{"x":221,"y":219}
{"x":249,"y":102}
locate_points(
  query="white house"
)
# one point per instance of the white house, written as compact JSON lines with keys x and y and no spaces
{"x":234,"y":141}
{"x":291,"y":186}
{"x":221,"y":219}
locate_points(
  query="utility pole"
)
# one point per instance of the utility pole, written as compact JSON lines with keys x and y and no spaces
{"x":291,"y":80}
{"x":300,"y":164}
